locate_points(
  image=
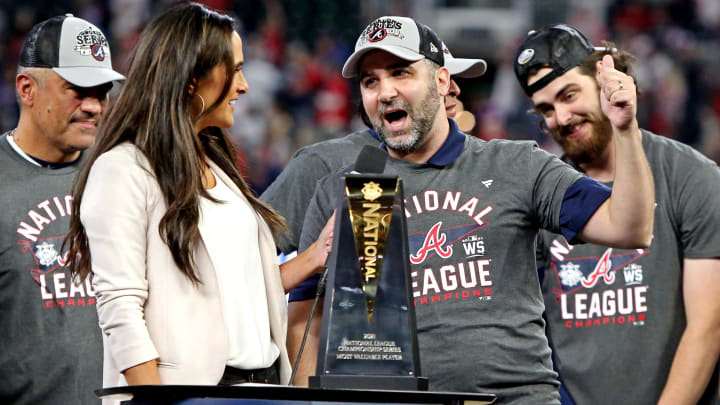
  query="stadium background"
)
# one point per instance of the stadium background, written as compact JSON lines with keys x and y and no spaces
{"x":294,"y":50}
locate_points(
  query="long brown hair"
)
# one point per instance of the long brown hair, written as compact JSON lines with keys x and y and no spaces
{"x":152,"y":112}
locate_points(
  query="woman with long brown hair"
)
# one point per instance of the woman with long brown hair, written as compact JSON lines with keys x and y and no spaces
{"x":181,"y":252}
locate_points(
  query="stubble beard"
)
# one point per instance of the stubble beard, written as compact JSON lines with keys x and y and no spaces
{"x":589,"y":148}
{"x":419,"y":130}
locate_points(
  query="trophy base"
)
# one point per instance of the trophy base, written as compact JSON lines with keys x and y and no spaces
{"x":401,"y":383}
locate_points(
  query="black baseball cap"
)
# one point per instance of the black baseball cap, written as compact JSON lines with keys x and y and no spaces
{"x":400,"y":36}
{"x":560,"y":47}
{"x":73,"y":48}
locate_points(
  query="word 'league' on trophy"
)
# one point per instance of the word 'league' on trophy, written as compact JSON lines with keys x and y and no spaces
{"x":368,"y":337}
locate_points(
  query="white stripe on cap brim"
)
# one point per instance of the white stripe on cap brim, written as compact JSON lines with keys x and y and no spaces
{"x":349,"y":70}
{"x":88,"y":76}
{"x":465,"y":68}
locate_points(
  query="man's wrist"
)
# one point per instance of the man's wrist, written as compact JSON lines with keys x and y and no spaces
{"x":625,"y":133}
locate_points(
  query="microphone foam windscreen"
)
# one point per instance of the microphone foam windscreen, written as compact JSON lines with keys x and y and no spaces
{"x":370,"y":160}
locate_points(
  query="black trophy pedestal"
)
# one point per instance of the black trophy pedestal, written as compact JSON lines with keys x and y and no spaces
{"x":280,"y":395}
{"x":370,"y":382}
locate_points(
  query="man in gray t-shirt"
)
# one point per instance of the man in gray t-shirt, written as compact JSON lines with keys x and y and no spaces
{"x":291,"y":192}
{"x":474,"y":209}
{"x":626,"y":326}
{"x":51,"y":343}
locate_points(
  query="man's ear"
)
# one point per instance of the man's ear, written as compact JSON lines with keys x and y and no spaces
{"x":26,"y":88}
{"x":442,"y":79}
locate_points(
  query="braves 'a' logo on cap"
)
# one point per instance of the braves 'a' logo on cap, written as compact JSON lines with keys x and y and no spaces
{"x":377,"y":35}
{"x":98,"y":52}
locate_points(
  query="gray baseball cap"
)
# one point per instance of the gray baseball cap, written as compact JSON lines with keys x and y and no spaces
{"x":73,"y":48}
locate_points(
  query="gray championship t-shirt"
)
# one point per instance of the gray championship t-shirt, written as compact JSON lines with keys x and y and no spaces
{"x":291,"y":192}
{"x":615,"y":316}
{"x":51,"y":343}
{"x":472,"y":223}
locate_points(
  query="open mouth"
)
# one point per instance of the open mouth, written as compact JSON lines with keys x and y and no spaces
{"x":396,"y":119}
{"x":572,"y":131}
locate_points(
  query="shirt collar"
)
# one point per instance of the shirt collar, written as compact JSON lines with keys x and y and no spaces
{"x":448,"y":152}
{"x":376,"y":136}
{"x":33,"y":159}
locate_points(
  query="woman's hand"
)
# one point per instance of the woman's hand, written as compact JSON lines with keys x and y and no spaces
{"x":323,"y":244}
{"x":310,"y":261}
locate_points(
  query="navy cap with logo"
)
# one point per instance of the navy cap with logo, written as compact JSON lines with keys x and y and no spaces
{"x":400,"y":36}
{"x":73,"y":48}
{"x":560,"y":47}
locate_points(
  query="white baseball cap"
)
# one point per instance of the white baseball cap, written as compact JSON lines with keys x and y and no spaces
{"x":73,"y":48}
{"x":462,"y":67}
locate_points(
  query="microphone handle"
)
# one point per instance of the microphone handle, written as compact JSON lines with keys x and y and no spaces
{"x":318,"y":293}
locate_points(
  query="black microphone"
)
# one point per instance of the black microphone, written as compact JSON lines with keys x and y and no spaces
{"x":370,"y":160}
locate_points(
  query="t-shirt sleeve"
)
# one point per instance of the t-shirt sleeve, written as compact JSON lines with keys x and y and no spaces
{"x":581,"y":201}
{"x":319,"y":210}
{"x":697,"y":192}
{"x":540,"y":257}
{"x":550,"y":179}
{"x":291,"y":192}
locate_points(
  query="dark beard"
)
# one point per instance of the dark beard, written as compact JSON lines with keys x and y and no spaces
{"x":421,"y":123}
{"x":590,"y":148}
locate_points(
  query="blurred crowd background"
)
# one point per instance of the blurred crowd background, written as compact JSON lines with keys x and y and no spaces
{"x":294,"y":50}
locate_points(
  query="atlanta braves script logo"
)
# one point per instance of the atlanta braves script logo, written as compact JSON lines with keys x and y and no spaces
{"x":433,"y":242}
{"x":602,"y":269}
